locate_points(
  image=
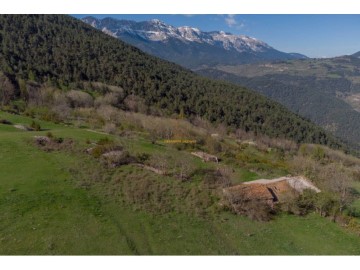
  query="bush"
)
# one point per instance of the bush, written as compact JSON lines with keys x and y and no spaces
{"x":5,"y":122}
{"x":104,"y":141}
{"x":43,"y":113}
{"x":142,"y":157}
{"x":184,"y":169}
{"x":258,"y":210}
{"x":18,"y":105}
{"x":105,"y":145}
{"x":58,"y":140}
{"x":218,"y":178}
{"x":318,"y":153}
{"x":79,"y":99}
{"x":35,"y":126}
{"x":213,"y":145}
{"x":110,"y":128}
{"x":55,"y":144}
{"x":354,"y":225}
{"x":326,"y":204}
{"x":298,"y":204}
{"x":117,"y":158}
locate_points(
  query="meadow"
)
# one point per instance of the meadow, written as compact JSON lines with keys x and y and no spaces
{"x":47,"y":207}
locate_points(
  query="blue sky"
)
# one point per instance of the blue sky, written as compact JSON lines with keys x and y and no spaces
{"x":312,"y":35}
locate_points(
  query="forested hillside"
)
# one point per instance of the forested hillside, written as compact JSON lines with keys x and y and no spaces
{"x":326,"y":91}
{"x":63,"y":52}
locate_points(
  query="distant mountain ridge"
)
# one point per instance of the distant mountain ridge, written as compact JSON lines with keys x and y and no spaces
{"x":356,"y":54}
{"x":325,"y":90}
{"x":189,"y":46}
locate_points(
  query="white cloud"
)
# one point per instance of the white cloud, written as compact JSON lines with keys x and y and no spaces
{"x":231,"y":21}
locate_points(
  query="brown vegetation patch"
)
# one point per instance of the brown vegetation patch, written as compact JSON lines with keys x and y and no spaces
{"x":117,"y":158}
{"x":152,"y":169}
{"x":53,"y":144}
{"x":205,"y":156}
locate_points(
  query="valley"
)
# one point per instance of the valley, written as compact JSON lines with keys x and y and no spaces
{"x":107,"y":150}
{"x":322,"y":90}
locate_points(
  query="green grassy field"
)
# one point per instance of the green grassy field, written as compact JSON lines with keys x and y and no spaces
{"x":45,"y":210}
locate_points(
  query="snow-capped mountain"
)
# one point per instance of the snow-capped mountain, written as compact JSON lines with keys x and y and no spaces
{"x":189,"y":46}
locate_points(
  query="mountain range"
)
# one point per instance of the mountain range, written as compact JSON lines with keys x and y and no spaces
{"x":189,"y":46}
{"x":357,"y":54}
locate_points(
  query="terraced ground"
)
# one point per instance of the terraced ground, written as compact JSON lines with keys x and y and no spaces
{"x":48,"y":206}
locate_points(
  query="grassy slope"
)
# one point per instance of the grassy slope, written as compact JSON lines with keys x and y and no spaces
{"x":44,"y":211}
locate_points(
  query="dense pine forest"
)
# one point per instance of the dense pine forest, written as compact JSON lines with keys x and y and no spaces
{"x":62,"y":52}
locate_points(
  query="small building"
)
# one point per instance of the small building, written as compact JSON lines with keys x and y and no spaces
{"x":267,"y":191}
{"x":245,"y":193}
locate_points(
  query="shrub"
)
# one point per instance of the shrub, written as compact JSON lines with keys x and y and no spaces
{"x":354,"y":225}
{"x":18,"y":105}
{"x":318,"y":153}
{"x":58,"y":140}
{"x":43,"y":113}
{"x":254,"y":209}
{"x":160,"y":162}
{"x":105,"y":141}
{"x":79,"y":99}
{"x":142,"y":157}
{"x":218,"y":178}
{"x":213,"y":145}
{"x":49,"y":135}
{"x":36,"y":126}
{"x":298,"y":204}
{"x":109,"y":128}
{"x":54,"y":144}
{"x":184,"y":169}
{"x":326,"y":204}
{"x":117,"y":158}
{"x":105,"y":145}
{"x":5,"y":122}
{"x":259,"y":211}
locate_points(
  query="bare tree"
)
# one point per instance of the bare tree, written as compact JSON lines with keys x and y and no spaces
{"x":79,"y":99}
{"x":337,"y":179}
{"x":184,"y":169}
{"x":7,"y":90}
